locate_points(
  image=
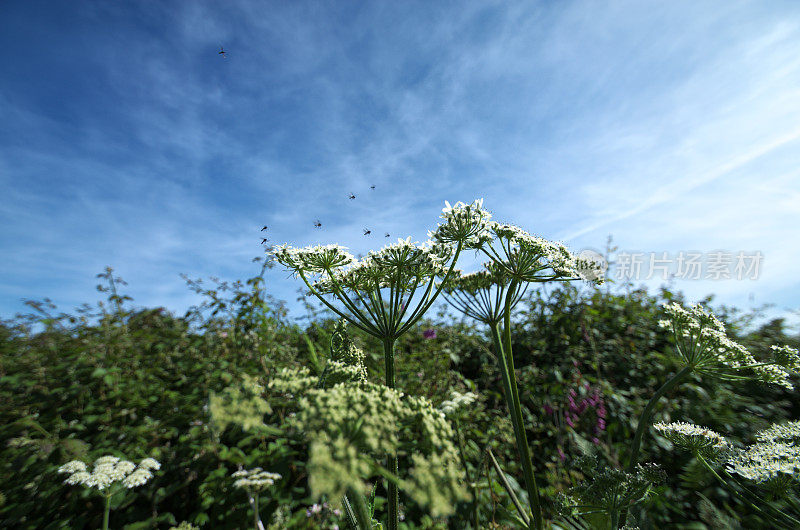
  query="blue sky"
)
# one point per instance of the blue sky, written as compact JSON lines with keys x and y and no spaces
{"x":127,"y":140}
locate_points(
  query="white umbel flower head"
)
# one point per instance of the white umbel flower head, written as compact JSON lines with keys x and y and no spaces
{"x":401,"y":266}
{"x":108,"y":471}
{"x":254,"y":480}
{"x":74,"y":466}
{"x":149,"y":463}
{"x":770,"y":462}
{"x":464,"y":223}
{"x":409,"y":260}
{"x":787,"y":357}
{"x":530,"y":258}
{"x":457,"y":400}
{"x":316,"y":260}
{"x":77,"y":478}
{"x":703,"y":344}
{"x":689,"y":437}
{"x":137,"y":478}
{"x":784,"y":432}
{"x":106,"y":460}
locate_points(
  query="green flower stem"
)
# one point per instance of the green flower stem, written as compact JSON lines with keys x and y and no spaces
{"x":647,"y":414}
{"x":507,"y":361}
{"x":106,"y":511}
{"x":504,"y":481}
{"x":506,"y":390}
{"x":644,"y":423}
{"x":614,"y":520}
{"x":391,"y":461}
{"x":256,"y":517}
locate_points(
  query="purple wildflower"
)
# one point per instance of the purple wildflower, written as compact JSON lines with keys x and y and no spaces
{"x":429,"y":333}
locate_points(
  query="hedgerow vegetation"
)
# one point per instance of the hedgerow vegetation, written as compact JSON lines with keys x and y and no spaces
{"x":236,"y":384}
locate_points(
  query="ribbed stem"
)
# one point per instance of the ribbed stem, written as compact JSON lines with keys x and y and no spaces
{"x":614,"y":520}
{"x":516,"y":414}
{"x":106,"y":512}
{"x":257,"y":516}
{"x":644,"y":423}
{"x":512,"y":400}
{"x":647,"y":415}
{"x":393,"y":501}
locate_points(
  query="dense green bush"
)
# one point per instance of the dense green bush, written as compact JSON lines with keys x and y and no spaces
{"x":136,"y":383}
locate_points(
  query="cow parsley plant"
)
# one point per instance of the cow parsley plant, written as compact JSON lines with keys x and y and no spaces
{"x":109,"y":475}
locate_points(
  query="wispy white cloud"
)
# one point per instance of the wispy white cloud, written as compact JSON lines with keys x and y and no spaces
{"x":653,"y":123}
